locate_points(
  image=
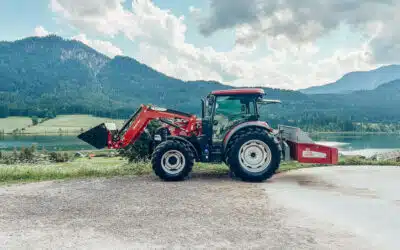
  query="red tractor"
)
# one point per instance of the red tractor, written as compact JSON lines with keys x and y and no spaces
{"x":229,"y":131}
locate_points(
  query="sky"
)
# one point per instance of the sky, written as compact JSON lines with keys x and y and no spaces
{"x":288,"y":44}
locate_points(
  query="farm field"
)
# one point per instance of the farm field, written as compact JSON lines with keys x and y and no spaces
{"x":7,"y":125}
{"x":65,"y":124}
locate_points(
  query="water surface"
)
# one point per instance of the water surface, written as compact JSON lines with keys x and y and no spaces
{"x":50,"y":143}
{"x":343,"y":142}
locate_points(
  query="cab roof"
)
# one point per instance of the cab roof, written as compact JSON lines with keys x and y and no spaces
{"x":246,"y":91}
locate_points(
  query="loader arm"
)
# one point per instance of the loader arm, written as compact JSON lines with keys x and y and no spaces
{"x":102,"y":136}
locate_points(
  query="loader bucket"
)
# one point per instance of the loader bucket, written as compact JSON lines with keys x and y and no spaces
{"x":97,"y":136}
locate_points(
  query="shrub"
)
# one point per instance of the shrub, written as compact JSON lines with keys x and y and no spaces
{"x":141,"y":149}
{"x":27,"y":155}
{"x":59,"y":157}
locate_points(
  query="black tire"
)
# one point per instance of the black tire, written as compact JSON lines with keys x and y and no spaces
{"x":253,"y":135}
{"x":169,"y":147}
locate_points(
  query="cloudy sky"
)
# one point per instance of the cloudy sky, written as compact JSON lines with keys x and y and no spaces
{"x":288,"y":44}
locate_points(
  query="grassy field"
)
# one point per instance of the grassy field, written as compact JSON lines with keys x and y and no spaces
{"x":116,"y":166}
{"x":10,"y":123}
{"x":71,"y":124}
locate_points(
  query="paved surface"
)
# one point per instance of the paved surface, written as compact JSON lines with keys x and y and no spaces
{"x":320,"y":208}
{"x":363,"y":201}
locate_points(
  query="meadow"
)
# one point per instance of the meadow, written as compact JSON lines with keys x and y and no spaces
{"x":7,"y":125}
{"x":63,"y":124}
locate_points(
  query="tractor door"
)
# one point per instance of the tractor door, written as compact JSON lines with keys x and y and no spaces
{"x":231,"y":111}
{"x":207,"y":116}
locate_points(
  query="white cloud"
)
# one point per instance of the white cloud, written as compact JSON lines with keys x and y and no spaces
{"x":308,"y":20}
{"x":40,"y":31}
{"x":298,"y":20}
{"x":287,"y":63}
{"x":104,"y":47}
{"x":104,"y":16}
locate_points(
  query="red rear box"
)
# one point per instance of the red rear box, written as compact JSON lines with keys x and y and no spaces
{"x":313,"y":153}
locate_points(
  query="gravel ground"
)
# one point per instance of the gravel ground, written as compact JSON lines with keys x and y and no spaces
{"x":207,"y":211}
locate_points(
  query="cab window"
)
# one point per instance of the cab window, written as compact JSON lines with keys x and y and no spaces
{"x":231,"y":110}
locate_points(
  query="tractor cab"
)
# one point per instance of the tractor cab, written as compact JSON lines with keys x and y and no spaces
{"x":225,"y":109}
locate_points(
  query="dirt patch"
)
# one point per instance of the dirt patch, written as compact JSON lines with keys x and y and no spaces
{"x":316,"y":182}
{"x":304,"y":180}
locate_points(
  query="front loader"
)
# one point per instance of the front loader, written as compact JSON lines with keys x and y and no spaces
{"x":229,"y":131}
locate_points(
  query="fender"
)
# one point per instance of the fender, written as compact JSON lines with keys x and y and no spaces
{"x":233,"y":131}
{"x":178,"y":138}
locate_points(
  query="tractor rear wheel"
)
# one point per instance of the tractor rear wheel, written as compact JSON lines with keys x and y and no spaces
{"x":253,"y":155}
{"x":172,"y":160}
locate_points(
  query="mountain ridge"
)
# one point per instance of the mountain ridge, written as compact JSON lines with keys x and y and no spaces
{"x":358,"y":80}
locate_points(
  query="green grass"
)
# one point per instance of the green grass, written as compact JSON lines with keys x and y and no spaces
{"x":79,"y":168}
{"x":115,"y":166}
{"x":71,"y":124}
{"x":10,"y":123}
{"x":356,"y":160}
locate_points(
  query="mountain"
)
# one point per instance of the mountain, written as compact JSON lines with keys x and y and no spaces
{"x":377,"y":105}
{"x":50,"y":75}
{"x":58,"y":76}
{"x":354,"y":81}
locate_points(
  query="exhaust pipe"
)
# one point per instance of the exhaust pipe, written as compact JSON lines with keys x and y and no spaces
{"x":99,"y":136}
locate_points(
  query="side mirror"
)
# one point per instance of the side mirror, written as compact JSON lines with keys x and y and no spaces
{"x":267,"y":101}
{"x":215,"y":122}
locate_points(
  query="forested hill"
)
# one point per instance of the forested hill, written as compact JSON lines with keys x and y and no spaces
{"x":50,"y":75}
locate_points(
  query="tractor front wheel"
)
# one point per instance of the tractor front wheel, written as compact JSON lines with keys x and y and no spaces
{"x":172,"y":160}
{"x":253,"y":155}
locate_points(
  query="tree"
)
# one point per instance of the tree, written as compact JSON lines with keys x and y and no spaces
{"x":35,"y":120}
{"x":4,"y":111}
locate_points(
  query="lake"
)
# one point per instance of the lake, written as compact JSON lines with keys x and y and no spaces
{"x":366,"y":145}
{"x":345,"y":143}
{"x":50,"y":143}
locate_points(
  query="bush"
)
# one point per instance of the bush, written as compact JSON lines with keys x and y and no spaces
{"x":31,"y":155}
{"x":59,"y":157}
{"x":141,"y":150}
{"x":27,"y":155}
